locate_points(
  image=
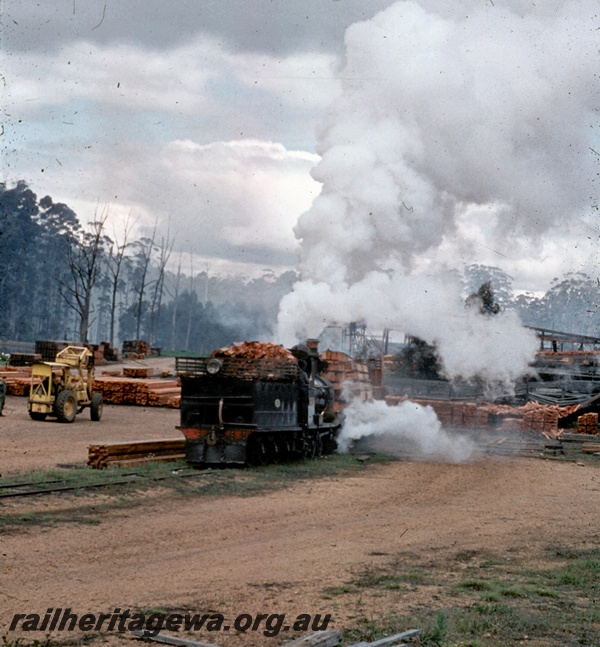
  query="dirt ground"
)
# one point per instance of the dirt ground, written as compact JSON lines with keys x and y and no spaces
{"x":276,"y":552}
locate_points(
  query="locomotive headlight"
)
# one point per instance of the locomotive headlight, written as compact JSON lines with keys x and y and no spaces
{"x":213,"y":366}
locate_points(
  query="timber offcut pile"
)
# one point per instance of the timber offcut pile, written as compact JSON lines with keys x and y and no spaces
{"x":135,"y":452}
{"x":156,"y":392}
{"x":249,"y":360}
{"x":255,"y":350}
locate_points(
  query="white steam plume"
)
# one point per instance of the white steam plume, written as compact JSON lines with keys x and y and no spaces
{"x":445,"y":107}
{"x":406,"y":428}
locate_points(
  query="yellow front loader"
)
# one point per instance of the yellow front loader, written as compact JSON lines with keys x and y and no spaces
{"x":64,"y":388}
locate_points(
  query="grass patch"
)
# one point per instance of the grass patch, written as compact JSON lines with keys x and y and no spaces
{"x":394,"y":577}
{"x":507,"y":603}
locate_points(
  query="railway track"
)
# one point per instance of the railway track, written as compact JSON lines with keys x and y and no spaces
{"x":35,"y":488}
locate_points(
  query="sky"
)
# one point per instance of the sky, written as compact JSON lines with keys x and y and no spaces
{"x":338,"y":137}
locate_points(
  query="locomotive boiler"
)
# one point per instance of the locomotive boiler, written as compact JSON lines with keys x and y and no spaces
{"x":256,"y":403}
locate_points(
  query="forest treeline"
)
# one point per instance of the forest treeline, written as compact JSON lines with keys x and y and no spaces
{"x":60,"y":279}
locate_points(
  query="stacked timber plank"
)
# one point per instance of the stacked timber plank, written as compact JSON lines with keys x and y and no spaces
{"x":587,"y":423}
{"x":48,"y":349}
{"x":451,"y":413}
{"x":24,"y":359}
{"x":531,"y":417}
{"x":104,"y":352}
{"x":350,"y":379}
{"x":138,"y":372}
{"x":17,"y":379}
{"x":132,"y":453}
{"x":136,"y":348}
{"x":157,"y":392}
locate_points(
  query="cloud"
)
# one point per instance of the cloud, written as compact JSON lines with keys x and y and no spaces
{"x":235,"y":200}
{"x":277,"y":27}
{"x":164,"y":135}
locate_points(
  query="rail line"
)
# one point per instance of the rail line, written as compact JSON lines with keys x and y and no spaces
{"x":34,"y":488}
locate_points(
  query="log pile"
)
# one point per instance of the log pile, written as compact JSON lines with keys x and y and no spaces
{"x":142,"y":392}
{"x":135,"y":452}
{"x":587,"y":423}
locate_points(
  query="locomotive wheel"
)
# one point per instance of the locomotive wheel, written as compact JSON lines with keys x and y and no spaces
{"x":318,"y":445}
{"x":281,"y":450}
{"x":310,"y":447}
{"x":263,"y":452}
{"x":257,"y":452}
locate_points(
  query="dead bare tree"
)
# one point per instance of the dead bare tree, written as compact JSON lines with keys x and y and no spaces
{"x":164,"y":253}
{"x":191,"y":309}
{"x":84,"y":263}
{"x":145,"y":248}
{"x":116,"y":259}
{"x":174,"y":295}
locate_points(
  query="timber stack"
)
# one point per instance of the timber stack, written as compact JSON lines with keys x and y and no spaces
{"x":350,"y":378}
{"x":103,"y":352}
{"x":135,"y":452}
{"x":587,"y":423}
{"x":24,"y":359}
{"x":136,"y":348}
{"x":17,"y":379}
{"x":531,"y":417}
{"x":157,"y":392}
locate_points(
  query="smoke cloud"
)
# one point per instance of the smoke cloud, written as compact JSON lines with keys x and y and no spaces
{"x":447,"y":109}
{"x":407,"y":428}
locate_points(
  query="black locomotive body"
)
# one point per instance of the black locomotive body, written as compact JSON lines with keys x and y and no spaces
{"x":237,"y":410}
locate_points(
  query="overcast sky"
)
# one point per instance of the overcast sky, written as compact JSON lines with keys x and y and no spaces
{"x":208,"y":116}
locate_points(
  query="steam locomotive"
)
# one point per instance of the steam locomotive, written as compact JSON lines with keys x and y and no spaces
{"x":256,"y":403}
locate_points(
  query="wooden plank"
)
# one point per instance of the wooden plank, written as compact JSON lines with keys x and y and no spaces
{"x":171,"y":640}
{"x":327,"y":638}
{"x":590,"y":448}
{"x":390,"y":641}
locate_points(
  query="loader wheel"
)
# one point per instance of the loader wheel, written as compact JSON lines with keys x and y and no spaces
{"x":65,"y":406}
{"x":96,"y":406}
{"x":36,"y":415}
